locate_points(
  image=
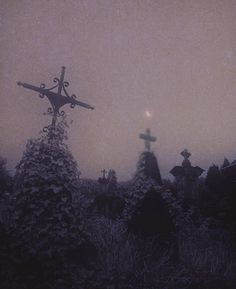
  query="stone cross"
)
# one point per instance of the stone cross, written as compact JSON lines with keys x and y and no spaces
{"x":147,"y":139}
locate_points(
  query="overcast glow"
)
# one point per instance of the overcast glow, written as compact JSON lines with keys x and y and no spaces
{"x":175,"y":60}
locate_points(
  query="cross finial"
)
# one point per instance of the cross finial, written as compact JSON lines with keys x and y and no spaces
{"x":57,"y":99}
{"x":148,"y":138}
{"x":186,"y":154}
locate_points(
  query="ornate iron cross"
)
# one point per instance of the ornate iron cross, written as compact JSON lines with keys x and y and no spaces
{"x":147,"y":139}
{"x":57,"y":99}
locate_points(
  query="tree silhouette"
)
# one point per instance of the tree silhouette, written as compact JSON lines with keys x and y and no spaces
{"x":5,"y":177}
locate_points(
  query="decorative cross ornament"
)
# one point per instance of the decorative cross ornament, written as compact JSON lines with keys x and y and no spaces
{"x":186,"y":154}
{"x":147,"y":139}
{"x":57,"y":99}
{"x":186,"y":171}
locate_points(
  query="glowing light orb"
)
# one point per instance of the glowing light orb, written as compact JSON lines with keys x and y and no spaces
{"x":147,"y":113}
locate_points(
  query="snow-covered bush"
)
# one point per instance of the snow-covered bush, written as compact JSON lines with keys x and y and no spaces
{"x":45,"y":180}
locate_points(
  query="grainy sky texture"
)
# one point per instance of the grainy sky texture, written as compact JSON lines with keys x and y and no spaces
{"x":174,"y":59}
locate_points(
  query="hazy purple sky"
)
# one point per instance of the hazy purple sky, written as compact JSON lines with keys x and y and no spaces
{"x":176,"y":59}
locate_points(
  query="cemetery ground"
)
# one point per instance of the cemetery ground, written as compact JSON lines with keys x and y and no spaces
{"x":61,"y":231}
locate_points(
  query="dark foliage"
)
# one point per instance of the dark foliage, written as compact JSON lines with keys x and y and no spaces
{"x":46,"y":226}
{"x":148,"y":166}
{"x":67,"y":233}
{"x":218,"y":200}
{"x":5,"y":178}
{"x":214,"y":179}
{"x":108,"y":205}
{"x":151,"y":217}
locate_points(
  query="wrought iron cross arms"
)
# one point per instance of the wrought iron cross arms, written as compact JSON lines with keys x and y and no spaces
{"x":57,"y":99}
